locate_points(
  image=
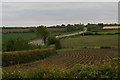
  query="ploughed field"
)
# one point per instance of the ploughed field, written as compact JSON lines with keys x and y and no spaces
{"x":70,"y":58}
{"x":84,"y":56}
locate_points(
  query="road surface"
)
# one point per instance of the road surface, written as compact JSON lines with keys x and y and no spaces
{"x":61,"y":36}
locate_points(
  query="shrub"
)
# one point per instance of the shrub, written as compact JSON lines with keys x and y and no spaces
{"x":110,"y":33}
{"x":94,"y":72}
{"x":53,"y":40}
{"x":83,"y":72}
{"x":10,"y":76}
{"x":104,"y":47}
{"x":116,"y":60}
{"x":16,"y":44}
{"x":88,"y":33}
{"x":46,"y":72}
{"x":19,"y":57}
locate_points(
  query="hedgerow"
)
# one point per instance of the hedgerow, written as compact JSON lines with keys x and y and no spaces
{"x":82,"y":72}
{"x":19,"y":57}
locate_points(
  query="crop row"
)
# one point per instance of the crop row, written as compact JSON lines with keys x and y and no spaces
{"x":85,"y":56}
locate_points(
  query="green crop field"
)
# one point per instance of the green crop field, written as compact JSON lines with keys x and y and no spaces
{"x":66,"y":59}
{"x":90,"y":41}
{"x":7,"y":36}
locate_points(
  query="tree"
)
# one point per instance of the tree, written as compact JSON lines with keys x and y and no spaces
{"x":80,"y":27}
{"x":42,"y":32}
{"x":54,"y":40}
{"x":16,"y":44}
{"x":93,"y":27}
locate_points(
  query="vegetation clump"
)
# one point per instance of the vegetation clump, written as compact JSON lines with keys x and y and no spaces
{"x":20,"y":57}
{"x":54,"y":40}
{"x":82,"y":72}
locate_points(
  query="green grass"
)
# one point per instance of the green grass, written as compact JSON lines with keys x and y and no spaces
{"x":7,"y":36}
{"x":63,"y":32}
{"x":90,"y":41}
{"x":79,"y":48}
{"x":29,"y":36}
{"x":106,"y":33}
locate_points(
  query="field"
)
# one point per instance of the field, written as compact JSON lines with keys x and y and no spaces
{"x":7,"y":36}
{"x":90,"y":41}
{"x":28,"y":30}
{"x":83,"y":50}
{"x":111,"y":27}
{"x":68,"y":59}
{"x":30,"y":35}
{"x":14,"y":30}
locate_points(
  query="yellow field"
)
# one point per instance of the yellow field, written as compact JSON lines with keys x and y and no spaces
{"x":111,"y":27}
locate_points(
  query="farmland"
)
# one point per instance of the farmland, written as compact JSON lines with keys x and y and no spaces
{"x":14,"y":30}
{"x":7,"y":36}
{"x":87,"y":50}
{"x":28,"y":30}
{"x":90,"y":41}
{"x":29,"y":35}
{"x":68,"y":59}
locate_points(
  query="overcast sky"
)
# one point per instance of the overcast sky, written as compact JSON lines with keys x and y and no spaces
{"x":59,"y":0}
{"x":39,"y":13}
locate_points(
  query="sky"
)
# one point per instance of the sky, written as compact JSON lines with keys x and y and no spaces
{"x":18,"y":14}
{"x":59,"y":0}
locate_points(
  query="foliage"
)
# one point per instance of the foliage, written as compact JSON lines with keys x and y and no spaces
{"x":8,"y":76}
{"x":100,"y":33}
{"x":93,"y":27}
{"x":83,"y":72}
{"x":42,"y":32}
{"x":105,"y":47}
{"x":94,"y":72}
{"x":19,"y":57}
{"x":46,"y":72}
{"x":116,"y":60}
{"x":53,"y":40}
{"x":16,"y":44}
{"x":8,"y":36}
{"x":75,"y":27}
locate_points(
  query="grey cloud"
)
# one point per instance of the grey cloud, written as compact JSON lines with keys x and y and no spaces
{"x":19,"y":14}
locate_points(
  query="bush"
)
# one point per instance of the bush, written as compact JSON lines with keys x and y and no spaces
{"x":94,"y":72}
{"x":53,"y":40}
{"x":116,"y":60}
{"x":46,"y":72}
{"x":104,"y":47}
{"x":16,"y":44}
{"x":110,"y":33}
{"x":10,"y":76}
{"x":83,"y":72}
{"x":19,"y":57}
{"x":88,"y":33}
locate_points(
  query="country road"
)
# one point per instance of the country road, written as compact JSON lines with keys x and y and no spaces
{"x":61,"y":36}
